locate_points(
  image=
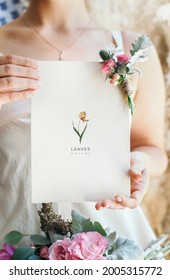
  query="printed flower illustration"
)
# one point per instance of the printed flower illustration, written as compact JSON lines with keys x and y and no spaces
{"x":83,"y":116}
{"x":80,"y":131}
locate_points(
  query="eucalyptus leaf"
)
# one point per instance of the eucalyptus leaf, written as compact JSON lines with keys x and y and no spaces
{"x":13,"y":237}
{"x":23,"y":253}
{"x":40,"y":239}
{"x":34,"y":258}
{"x":142,"y":43}
{"x":125,"y":249}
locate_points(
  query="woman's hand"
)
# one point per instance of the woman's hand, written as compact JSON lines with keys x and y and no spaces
{"x":19,"y":78}
{"x":139,"y":183}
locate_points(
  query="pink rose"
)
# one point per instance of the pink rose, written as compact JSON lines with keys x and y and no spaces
{"x":7,"y":252}
{"x":115,"y":79}
{"x":88,"y":246}
{"x":108,"y":66}
{"x":124,"y":58}
{"x":44,"y":252}
{"x":59,"y":250}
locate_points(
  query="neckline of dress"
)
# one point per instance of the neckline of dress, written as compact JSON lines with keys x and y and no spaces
{"x":116,"y":35}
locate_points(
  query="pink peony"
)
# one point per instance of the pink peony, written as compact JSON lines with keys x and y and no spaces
{"x":7,"y":252}
{"x":124,"y":58}
{"x":59,"y":250}
{"x":107,"y":67}
{"x":88,"y":246}
{"x":44,"y":252}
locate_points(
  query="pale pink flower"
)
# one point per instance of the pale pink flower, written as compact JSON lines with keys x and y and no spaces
{"x":59,"y":250}
{"x":108,"y":66}
{"x":44,"y":252}
{"x":115,"y":79}
{"x":88,"y":246}
{"x":124,"y":58}
{"x":7,"y":252}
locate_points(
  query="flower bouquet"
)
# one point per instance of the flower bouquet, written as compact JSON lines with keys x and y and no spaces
{"x":118,"y":67}
{"x":78,"y":239}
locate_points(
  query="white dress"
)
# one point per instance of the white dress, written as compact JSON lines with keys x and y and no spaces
{"x":16,"y":210}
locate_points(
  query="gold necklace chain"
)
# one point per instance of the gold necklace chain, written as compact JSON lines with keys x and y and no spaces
{"x":61,"y":52}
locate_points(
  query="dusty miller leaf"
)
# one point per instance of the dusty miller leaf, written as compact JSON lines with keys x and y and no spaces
{"x":78,"y":222}
{"x":111,"y":239}
{"x":54,"y":236}
{"x":82,"y":224}
{"x":142,"y":43}
{"x":125,"y":249}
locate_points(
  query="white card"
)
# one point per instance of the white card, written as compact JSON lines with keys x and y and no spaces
{"x":78,"y":157}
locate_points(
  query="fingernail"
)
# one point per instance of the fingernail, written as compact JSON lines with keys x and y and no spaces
{"x":119,"y":199}
{"x":137,"y":171}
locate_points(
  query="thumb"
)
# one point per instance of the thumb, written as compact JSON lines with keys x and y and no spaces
{"x":138,"y":165}
{"x":135,"y":173}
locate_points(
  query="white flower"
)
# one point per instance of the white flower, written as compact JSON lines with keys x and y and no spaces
{"x":112,"y":49}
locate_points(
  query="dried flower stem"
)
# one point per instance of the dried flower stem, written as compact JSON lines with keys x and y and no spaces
{"x":51,"y":222}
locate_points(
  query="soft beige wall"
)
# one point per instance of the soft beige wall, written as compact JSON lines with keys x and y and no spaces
{"x":152,"y":17}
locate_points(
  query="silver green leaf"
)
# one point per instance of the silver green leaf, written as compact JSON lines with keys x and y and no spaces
{"x":125,"y":249}
{"x":54,"y":236}
{"x":81,"y":224}
{"x":142,"y":43}
{"x":111,"y":239}
{"x":78,"y":222}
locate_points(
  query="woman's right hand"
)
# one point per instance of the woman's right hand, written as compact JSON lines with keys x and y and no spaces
{"x":19,"y":78}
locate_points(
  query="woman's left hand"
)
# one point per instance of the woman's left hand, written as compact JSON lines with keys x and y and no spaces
{"x":139,"y":176}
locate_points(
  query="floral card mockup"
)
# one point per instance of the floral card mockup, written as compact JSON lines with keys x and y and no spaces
{"x":80,"y":135}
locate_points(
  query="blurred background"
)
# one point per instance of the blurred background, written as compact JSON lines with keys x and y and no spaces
{"x":152,"y":17}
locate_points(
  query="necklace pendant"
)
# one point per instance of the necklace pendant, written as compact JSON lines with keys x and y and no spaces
{"x":61,"y":56}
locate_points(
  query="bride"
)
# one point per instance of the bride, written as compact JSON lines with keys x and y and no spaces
{"x":65,"y":30}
